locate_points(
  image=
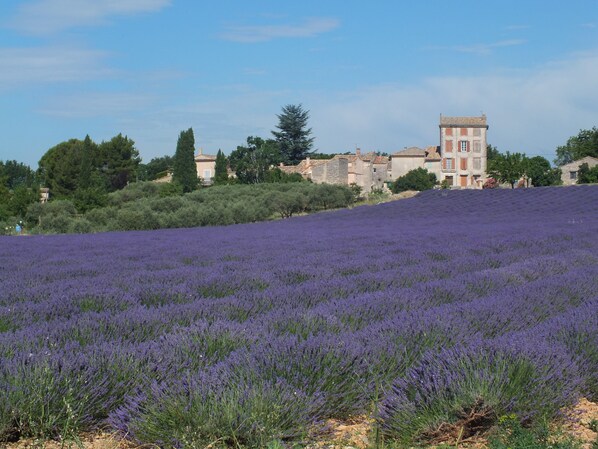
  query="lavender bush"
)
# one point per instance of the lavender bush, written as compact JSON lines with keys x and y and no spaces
{"x":422,"y":313}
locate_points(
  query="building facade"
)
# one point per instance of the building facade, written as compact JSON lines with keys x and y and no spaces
{"x":463,"y":151}
{"x":569,"y":171}
{"x":205,"y":165}
{"x":368,"y":171}
{"x":402,"y":162}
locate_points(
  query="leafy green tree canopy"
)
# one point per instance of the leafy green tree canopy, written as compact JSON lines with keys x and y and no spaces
{"x":578,"y":147}
{"x":184,"y":168}
{"x":156,"y":168}
{"x":76,"y":165}
{"x":491,"y":152}
{"x":587,"y":175}
{"x":539,"y":172}
{"x":293,"y":135}
{"x":508,"y":167}
{"x":60,"y":166}
{"x":252,"y":162}
{"x":119,"y":160}
{"x":417,"y":179}
{"x":14,"y":174}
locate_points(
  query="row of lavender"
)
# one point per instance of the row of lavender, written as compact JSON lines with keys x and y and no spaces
{"x":416,"y":313}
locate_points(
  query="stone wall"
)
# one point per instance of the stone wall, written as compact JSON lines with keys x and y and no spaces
{"x":334,"y":171}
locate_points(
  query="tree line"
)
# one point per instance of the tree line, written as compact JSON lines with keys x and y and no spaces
{"x":86,"y":173}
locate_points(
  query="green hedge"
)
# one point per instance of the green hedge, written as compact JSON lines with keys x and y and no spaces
{"x":148,"y":205}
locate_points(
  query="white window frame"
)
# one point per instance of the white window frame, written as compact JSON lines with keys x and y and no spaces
{"x":207,"y":174}
{"x":449,"y":165}
{"x":463,"y":146}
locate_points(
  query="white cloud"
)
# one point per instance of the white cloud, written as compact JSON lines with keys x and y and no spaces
{"x":484,"y":49}
{"x":261,"y":33}
{"x":97,"y":104}
{"x":42,"y":17}
{"x":41,"y":65}
{"x":532,"y":111}
{"x":481,"y":49}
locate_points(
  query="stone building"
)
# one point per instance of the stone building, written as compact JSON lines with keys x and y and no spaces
{"x":412,"y":158}
{"x":369,"y":171}
{"x":463,"y":150}
{"x":569,"y":171}
{"x":332,"y":171}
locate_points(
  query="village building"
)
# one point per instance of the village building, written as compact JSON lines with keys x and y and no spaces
{"x":205,"y":165}
{"x":368,"y":171}
{"x":44,"y":195}
{"x":569,"y":171}
{"x":402,"y":162}
{"x":463,"y":151}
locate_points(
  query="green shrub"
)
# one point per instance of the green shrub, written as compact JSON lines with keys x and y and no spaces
{"x":134,"y":192}
{"x":81,"y":226}
{"x":56,"y":224}
{"x":136,"y":218}
{"x":148,"y":205}
{"x":511,"y":434}
{"x":102,"y":216}
{"x":242,"y":412}
{"x":418,"y":179}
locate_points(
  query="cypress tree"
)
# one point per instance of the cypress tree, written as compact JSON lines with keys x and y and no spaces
{"x":220,"y":170}
{"x":184,"y":168}
{"x":86,"y":164}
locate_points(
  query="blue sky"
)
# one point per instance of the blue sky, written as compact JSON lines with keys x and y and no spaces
{"x":374,"y":75}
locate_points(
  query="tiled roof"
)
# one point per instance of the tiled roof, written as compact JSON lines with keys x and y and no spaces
{"x":302,"y":167}
{"x":410,"y":152}
{"x":380,"y":160}
{"x":349,"y":157}
{"x":590,"y":160}
{"x":463,"y":121}
{"x":204,"y":157}
{"x":432,"y":153}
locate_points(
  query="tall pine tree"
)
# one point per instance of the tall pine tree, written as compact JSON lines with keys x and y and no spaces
{"x":293,"y":137}
{"x":220,"y":170}
{"x":184,"y":168}
{"x":86,"y":163}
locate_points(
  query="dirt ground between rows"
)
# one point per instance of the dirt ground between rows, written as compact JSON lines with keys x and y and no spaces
{"x":355,"y":434}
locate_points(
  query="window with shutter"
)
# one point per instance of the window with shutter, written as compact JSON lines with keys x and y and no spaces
{"x":463,"y":131}
{"x":448,"y":146}
{"x":448,"y":132}
{"x":463,"y":163}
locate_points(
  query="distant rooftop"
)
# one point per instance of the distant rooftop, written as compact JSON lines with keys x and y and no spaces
{"x":410,"y":152}
{"x":204,"y":157}
{"x":472,"y":122}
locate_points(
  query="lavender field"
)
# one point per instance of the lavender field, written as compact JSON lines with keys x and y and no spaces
{"x":418,"y":313}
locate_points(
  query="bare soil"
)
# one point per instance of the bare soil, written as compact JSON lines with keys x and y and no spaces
{"x":354,"y":434}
